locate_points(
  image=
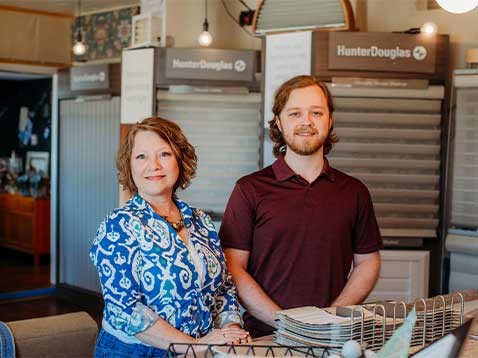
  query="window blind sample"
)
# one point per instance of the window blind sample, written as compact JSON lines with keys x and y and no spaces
{"x":464,"y":182}
{"x":390,"y":140}
{"x":281,"y":15}
{"x":227,"y":134}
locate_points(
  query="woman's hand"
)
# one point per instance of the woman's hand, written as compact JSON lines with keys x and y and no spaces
{"x":242,"y":340}
{"x":230,"y":334}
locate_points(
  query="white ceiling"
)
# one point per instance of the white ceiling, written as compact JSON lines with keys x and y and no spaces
{"x":70,"y":6}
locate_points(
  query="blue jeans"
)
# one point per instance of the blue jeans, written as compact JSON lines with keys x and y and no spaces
{"x":108,"y":346}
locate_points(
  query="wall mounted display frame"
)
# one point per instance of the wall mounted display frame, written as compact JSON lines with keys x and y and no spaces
{"x":40,"y":161}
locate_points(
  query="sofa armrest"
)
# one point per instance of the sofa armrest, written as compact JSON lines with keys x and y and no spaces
{"x":66,"y":335}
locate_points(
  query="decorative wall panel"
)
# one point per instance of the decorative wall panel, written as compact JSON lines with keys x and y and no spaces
{"x":106,"y":33}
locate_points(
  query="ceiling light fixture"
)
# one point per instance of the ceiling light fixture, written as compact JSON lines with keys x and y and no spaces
{"x":79,"y":48}
{"x":205,"y":38}
{"x":457,"y":6}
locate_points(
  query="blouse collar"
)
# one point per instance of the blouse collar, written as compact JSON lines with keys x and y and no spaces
{"x":139,"y":203}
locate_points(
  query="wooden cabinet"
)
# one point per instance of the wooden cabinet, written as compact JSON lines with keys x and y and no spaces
{"x":25,"y":224}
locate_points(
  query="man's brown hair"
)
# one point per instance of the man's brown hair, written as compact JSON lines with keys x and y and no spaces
{"x":280,"y":99}
{"x":169,"y":132}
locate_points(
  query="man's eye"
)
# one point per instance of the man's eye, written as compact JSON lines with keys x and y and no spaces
{"x":294,"y":114}
{"x":317,"y":113}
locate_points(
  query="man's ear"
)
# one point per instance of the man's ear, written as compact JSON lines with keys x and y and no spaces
{"x":331,"y":122}
{"x":278,"y":123}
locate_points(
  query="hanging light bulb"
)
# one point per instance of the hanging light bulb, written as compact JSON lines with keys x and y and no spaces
{"x":429,"y":28}
{"x":205,"y":38}
{"x":79,"y":47}
{"x":458,"y":6}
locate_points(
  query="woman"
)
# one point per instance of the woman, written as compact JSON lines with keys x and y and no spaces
{"x":161,"y":268}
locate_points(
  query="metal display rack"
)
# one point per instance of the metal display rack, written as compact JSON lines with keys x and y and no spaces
{"x":371,"y":325}
{"x":261,"y":350}
{"x":435,"y":317}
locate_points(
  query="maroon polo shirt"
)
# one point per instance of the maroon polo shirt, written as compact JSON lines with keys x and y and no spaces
{"x":301,"y":236}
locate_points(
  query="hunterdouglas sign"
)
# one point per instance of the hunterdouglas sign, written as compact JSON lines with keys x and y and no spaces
{"x":389,"y":52}
{"x":209,"y":64}
{"x":94,"y":77}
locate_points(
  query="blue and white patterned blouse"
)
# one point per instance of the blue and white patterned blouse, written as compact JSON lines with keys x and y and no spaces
{"x":146,"y":271}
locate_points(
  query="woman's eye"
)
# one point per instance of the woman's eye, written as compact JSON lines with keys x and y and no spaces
{"x":165,"y":154}
{"x":140,"y":156}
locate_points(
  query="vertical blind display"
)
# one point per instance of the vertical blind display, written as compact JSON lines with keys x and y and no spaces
{"x":226,"y":132}
{"x":390,"y":140}
{"x":464,"y":206}
{"x":88,"y":190}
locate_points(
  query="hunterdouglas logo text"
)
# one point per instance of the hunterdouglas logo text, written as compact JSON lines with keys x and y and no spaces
{"x":203,"y":65}
{"x":373,"y":51}
{"x":90,"y":77}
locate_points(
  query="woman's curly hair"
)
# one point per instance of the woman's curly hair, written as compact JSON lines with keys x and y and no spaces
{"x":280,"y":100}
{"x":171,"y":133}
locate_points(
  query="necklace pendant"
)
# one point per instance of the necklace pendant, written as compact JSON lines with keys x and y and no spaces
{"x":177,"y":226}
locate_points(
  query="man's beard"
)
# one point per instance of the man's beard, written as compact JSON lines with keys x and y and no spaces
{"x":304,"y":147}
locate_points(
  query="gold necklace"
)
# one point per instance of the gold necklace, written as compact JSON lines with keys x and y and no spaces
{"x":178,"y":226}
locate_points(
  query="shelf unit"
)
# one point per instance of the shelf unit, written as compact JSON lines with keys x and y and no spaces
{"x":25,"y":224}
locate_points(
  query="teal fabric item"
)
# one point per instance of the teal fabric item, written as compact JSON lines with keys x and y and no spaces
{"x":7,"y":343}
{"x":399,"y":344}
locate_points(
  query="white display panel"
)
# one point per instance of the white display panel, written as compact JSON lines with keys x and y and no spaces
{"x":287,"y":55}
{"x":137,"y":85}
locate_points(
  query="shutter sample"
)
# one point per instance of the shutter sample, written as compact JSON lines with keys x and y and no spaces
{"x":226,"y":132}
{"x":390,"y":140}
{"x":464,"y":203}
{"x":286,"y":15}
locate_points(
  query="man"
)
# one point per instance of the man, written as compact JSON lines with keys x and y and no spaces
{"x":292,"y":230}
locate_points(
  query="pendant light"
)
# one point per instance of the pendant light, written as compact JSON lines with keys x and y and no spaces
{"x":205,"y":38}
{"x":79,"y":48}
{"x":429,"y":28}
{"x":457,"y":6}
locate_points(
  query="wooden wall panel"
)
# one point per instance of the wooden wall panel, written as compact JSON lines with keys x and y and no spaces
{"x":36,"y":38}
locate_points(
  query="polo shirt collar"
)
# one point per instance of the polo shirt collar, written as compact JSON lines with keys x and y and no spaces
{"x":283,"y":172}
